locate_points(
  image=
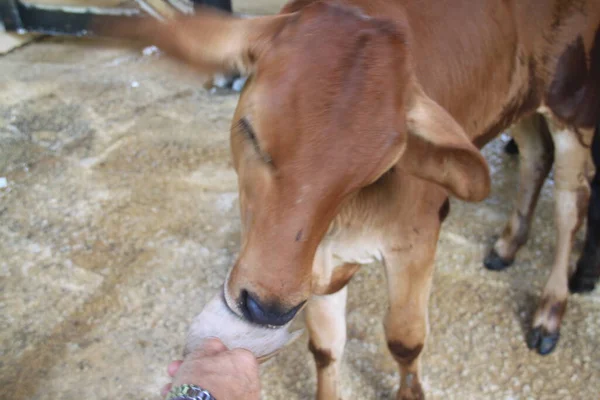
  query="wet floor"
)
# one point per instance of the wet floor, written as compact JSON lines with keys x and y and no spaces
{"x":119,"y":220}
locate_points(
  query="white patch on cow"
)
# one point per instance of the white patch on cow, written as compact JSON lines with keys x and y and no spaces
{"x":360,"y":252}
{"x":339,"y":249}
{"x":564,"y":141}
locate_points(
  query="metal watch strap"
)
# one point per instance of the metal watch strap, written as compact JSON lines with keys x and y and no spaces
{"x":189,"y":392}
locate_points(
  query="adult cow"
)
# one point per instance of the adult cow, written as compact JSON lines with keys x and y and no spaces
{"x":358,"y":120}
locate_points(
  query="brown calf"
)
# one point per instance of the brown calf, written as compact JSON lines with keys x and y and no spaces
{"x":356,"y":124}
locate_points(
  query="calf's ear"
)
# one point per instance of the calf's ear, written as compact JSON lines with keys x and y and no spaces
{"x":439,"y":150}
{"x":210,"y":40}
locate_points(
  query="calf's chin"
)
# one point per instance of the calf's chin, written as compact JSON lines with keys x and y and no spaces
{"x":217,"y":320}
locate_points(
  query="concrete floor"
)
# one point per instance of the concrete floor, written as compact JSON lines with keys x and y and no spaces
{"x":120,"y":221}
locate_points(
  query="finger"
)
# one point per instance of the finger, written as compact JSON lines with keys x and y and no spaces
{"x":173,"y":367}
{"x":213,"y":346}
{"x":245,"y":359}
{"x":165,"y":390}
{"x":209,"y":347}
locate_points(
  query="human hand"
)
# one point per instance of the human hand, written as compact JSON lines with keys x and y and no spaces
{"x":226,"y":374}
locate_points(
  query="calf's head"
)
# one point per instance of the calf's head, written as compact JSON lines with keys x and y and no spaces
{"x":332,"y":103}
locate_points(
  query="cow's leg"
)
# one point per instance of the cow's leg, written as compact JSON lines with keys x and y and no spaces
{"x":535,"y":158}
{"x":409,"y":275}
{"x":571,"y":195}
{"x":326,"y":322}
{"x":587,"y":274}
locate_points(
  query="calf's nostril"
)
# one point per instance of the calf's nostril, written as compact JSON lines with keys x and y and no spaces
{"x":252,"y":307}
{"x":261,"y":314}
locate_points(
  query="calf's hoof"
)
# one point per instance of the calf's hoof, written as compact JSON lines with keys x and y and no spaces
{"x":494,"y":262}
{"x":542,"y":341}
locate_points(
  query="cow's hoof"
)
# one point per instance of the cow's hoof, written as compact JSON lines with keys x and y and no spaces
{"x":542,"y":341}
{"x":582,"y":283}
{"x":494,"y":262}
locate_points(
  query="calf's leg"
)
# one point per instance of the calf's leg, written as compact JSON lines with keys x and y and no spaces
{"x":571,"y":197}
{"x":409,"y":276}
{"x":535,"y":159}
{"x":326,"y":322}
{"x":587,"y":274}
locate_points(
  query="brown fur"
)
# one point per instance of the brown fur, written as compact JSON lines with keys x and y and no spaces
{"x":574,"y":94}
{"x":404,"y":354}
{"x":339,"y":279}
{"x":553,"y":310}
{"x":518,"y":232}
{"x":322,"y":357}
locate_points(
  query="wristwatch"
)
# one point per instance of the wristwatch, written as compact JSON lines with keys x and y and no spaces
{"x":189,"y":392}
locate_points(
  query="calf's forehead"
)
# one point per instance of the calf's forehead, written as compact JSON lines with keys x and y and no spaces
{"x":324,"y":97}
{"x":320,"y":52}
{"x":293,"y":93}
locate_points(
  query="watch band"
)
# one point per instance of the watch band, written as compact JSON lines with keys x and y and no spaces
{"x":189,"y":392}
